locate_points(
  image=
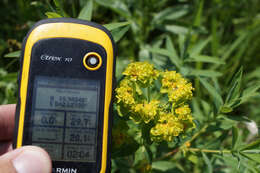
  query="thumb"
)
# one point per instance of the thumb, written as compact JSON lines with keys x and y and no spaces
{"x":28,"y":159}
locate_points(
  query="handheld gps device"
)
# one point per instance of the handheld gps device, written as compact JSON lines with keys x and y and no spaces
{"x":65,"y":93}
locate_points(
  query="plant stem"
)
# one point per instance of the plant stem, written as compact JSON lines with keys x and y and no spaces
{"x":148,"y":94}
{"x":208,"y":151}
{"x":176,"y":150}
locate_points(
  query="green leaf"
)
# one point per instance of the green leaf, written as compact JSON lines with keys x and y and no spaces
{"x":204,"y":58}
{"x":117,"y":6}
{"x":86,"y":12}
{"x":170,"y":47}
{"x":112,"y":26}
{"x":208,"y":163}
{"x":163,"y":165}
{"x":257,"y":151}
{"x":204,"y":73}
{"x":176,"y":29}
{"x":15,"y":54}
{"x":253,"y":157}
{"x":167,"y":53}
{"x":59,"y":6}
{"x":253,"y":74}
{"x":119,"y":33}
{"x":226,"y":109}
{"x":170,"y":13}
{"x":235,"y":86}
{"x":213,"y":92}
{"x":235,"y":45}
{"x":250,"y":92}
{"x":140,"y":155}
{"x":199,"y":13}
{"x":52,"y":15}
{"x":253,"y":145}
{"x":198,"y":47}
{"x":235,"y":137}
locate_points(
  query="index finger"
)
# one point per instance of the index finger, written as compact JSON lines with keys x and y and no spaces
{"x":7,"y":113}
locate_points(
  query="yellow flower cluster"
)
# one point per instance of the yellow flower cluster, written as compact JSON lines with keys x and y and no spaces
{"x":147,"y":111}
{"x":179,"y":89}
{"x":167,"y":127}
{"x":141,"y":72}
{"x":170,"y":119}
{"x":125,"y":93}
{"x":184,"y":114}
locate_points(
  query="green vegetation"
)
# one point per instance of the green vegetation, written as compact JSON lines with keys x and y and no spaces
{"x":214,"y":44}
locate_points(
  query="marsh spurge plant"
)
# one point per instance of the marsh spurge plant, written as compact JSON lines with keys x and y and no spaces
{"x":157,"y":98}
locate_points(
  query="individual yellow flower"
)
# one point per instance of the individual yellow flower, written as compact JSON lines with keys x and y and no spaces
{"x":141,"y":72}
{"x":147,"y":111}
{"x":125,"y":93}
{"x":167,"y":127}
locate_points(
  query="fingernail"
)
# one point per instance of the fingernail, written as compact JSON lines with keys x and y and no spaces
{"x":32,"y":161}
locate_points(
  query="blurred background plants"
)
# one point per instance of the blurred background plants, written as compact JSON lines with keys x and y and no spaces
{"x":215,"y":44}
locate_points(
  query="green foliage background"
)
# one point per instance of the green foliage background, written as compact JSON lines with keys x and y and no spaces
{"x":214,"y":43}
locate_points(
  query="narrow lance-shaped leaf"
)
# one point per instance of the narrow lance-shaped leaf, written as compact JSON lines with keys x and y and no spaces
{"x":253,"y":145}
{"x":253,"y":157}
{"x":204,"y":73}
{"x":52,"y":15}
{"x":112,"y":26}
{"x":235,"y":86}
{"x":59,"y":6}
{"x":175,"y":29}
{"x":170,"y":13}
{"x":234,"y":45}
{"x":235,"y":137}
{"x":118,"y":6}
{"x":208,"y":163}
{"x":213,"y":92}
{"x":119,"y":33}
{"x":198,"y":47}
{"x":167,"y":53}
{"x":163,"y":165}
{"x":86,"y":12}
{"x":174,"y":58}
{"x":250,"y":92}
{"x":15,"y":54}
{"x":205,"y":58}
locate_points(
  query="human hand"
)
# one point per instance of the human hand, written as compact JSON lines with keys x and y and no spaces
{"x":28,"y":159}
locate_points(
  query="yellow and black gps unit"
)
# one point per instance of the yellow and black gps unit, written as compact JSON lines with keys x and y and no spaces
{"x":65,"y":93}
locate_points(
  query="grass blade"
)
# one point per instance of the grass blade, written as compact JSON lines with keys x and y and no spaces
{"x":112,"y":26}
{"x":86,"y":12}
{"x":15,"y":54}
{"x":119,"y":33}
{"x":204,"y":73}
{"x":206,"y":59}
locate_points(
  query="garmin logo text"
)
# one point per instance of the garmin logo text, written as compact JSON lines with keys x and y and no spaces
{"x":66,"y":170}
{"x":45,"y":57}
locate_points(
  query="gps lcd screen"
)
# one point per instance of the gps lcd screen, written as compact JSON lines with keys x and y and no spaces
{"x":65,"y":116}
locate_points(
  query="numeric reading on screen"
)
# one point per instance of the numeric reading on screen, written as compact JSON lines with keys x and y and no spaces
{"x":65,"y":115}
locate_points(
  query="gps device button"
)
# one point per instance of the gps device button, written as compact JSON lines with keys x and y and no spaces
{"x":92,"y":61}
